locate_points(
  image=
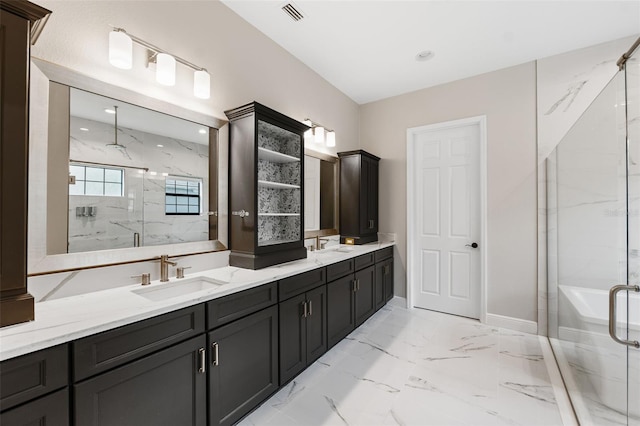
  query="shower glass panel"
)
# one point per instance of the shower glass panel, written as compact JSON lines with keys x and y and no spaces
{"x":632,"y":74}
{"x":592,"y":246}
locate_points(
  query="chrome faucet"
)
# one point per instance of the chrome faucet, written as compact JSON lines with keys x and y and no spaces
{"x":164,"y":267}
{"x":321,"y":242}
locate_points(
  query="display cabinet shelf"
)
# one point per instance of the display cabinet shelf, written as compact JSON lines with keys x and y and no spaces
{"x":275,"y":157}
{"x":279,"y":214}
{"x":276,"y":185}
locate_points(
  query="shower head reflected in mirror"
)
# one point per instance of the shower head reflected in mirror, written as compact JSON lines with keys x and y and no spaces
{"x":115,"y":143}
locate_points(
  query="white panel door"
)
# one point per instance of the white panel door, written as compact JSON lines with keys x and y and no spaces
{"x":446,"y":272}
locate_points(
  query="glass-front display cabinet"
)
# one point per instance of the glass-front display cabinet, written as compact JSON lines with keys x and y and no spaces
{"x":266,"y":187}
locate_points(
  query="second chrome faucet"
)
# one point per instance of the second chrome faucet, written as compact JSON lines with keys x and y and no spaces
{"x":164,"y":267}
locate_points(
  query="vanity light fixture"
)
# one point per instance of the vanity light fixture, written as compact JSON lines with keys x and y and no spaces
{"x":319,"y":134}
{"x":121,"y":54}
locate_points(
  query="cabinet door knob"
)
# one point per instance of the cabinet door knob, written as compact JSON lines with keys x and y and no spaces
{"x":214,"y":345}
{"x":203,"y":361}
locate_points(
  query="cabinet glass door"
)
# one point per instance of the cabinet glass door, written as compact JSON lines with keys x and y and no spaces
{"x":279,"y":185}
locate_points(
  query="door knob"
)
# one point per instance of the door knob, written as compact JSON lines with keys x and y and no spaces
{"x":472,"y":245}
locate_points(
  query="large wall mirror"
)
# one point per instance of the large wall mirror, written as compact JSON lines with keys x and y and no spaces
{"x":321,"y":194}
{"x":126,"y":178}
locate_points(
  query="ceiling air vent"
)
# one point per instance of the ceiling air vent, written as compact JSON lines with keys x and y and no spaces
{"x":293,"y":12}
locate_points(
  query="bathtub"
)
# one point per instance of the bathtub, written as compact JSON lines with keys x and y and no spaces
{"x":591,"y":353}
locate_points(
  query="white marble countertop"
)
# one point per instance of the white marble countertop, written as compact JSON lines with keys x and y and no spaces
{"x":63,"y":320}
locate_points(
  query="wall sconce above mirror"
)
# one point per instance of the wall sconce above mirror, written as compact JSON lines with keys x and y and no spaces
{"x":121,"y":56}
{"x":319,"y":134}
{"x":147,"y":184}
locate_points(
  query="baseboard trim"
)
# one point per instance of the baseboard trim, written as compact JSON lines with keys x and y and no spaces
{"x":511,"y":323}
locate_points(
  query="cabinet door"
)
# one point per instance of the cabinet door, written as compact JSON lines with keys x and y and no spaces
{"x":365,"y":295}
{"x":340,"y":316}
{"x":388,"y":280}
{"x":166,"y":388}
{"x":380,"y":296}
{"x":293,"y":337}
{"x":52,"y":409}
{"x":316,"y":323}
{"x":372,"y":195}
{"x":243,"y":368}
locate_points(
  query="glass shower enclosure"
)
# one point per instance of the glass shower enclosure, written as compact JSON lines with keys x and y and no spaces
{"x":593,"y":199}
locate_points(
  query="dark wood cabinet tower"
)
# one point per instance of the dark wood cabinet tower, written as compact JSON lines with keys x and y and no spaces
{"x":358,"y":197}
{"x":266,"y":150}
{"x":20,"y":26}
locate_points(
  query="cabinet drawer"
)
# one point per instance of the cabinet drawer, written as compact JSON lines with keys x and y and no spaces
{"x":340,"y":269}
{"x":107,"y":350}
{"x":383,"y":254}
{"x":229,"y":308}
{"x":29,"y":376}
{"x":299,"y":284}
{"x":365,"y":260}
{"x":52,"y":409}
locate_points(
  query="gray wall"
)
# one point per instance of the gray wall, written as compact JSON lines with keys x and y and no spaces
{"x":508,"y":98}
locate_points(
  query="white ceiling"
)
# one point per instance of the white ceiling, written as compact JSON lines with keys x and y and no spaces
{"x":367,"y":48}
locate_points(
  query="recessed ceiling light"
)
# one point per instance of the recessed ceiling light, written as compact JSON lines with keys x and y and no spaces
{"x":160,"y":146}
{"x":202,"y":131}
{"x":425,"y":55}
{"x":110,"y":111}
{"x":84,"y":129}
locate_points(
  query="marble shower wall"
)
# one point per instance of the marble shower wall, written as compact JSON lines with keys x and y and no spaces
{"x":566,"y":85}
{"x":143,"y":202}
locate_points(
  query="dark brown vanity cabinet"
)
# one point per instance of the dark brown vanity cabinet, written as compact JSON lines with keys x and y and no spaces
{"x":20,"y":25}
{"x":303,"y":322}
{"x":266,"y":179}
{"x":358,"y":197}
{"x":149,"y":372}
{"x":33,"y":388}
{"x":166,"y":388}
{"x":243,"y":365}
{"x":350,"y":298}
{"x":384,"y":276}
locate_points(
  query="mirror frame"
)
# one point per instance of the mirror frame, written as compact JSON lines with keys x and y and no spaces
{"x":43,"y":263}
{"x":336,"y":205}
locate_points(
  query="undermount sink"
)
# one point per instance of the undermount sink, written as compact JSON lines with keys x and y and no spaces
{"x":334,"y":249}
{"x":160,"y":292}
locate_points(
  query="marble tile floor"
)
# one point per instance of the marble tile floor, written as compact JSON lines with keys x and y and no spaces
{"x":418,"y":367}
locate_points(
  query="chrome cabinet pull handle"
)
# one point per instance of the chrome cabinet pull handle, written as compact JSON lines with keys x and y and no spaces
{"x":305,"y":313}
{"x":310,"y":308}
{"x":612,"y":313}
{"x":242,"y":213}
{"x":216,"y":361}
{"x":203,"y":360}
{"x":354,"y":286}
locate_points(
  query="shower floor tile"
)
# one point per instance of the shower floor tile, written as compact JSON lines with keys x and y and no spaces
{"x":418,"y":367}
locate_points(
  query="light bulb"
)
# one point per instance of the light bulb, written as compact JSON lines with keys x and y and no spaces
{"x":201,"y":84}
{"x":319,"y":132}
{"x":308,"y":136}
{"x":165,"y":69}
{"x":331,"y":138}
{"x":120,"y":50}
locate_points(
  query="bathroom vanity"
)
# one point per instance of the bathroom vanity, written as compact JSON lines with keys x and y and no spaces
{"x":205,"y":349}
